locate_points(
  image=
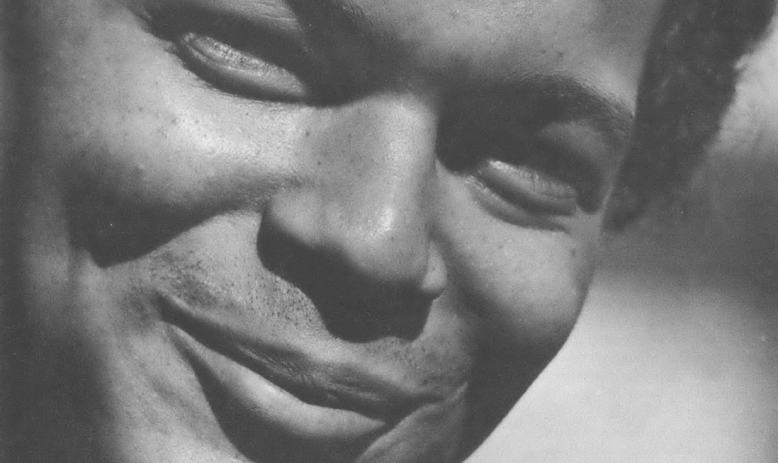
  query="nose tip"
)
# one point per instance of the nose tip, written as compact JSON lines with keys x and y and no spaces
{"x":392,"y":249}
{"x":369,"y":247}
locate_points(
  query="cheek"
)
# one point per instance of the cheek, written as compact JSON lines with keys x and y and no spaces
{"x":527,"y":285}
{"x":529,"y":293}
{"x":120,"y":111}
{"x":138,"y":130}
{"x":139,"y":147}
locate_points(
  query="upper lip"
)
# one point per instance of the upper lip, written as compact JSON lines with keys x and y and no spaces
{"x":333,"y":385}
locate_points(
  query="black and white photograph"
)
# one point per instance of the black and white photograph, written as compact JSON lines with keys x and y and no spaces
{"x":388,"y":231}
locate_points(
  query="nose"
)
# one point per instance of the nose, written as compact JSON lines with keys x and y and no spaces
{"x":358,"y":221}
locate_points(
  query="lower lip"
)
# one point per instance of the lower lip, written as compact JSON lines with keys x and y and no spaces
{"x":268,"y":405}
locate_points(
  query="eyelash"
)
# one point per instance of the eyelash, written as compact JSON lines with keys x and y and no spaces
{"x":519,"y":170}
{"x":529,"y":187}
{"x":239,"y":72}
{"x":234,"y":57}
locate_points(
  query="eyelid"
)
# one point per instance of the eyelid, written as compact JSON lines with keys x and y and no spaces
{"x":258,"y":57}
{"x":521,"y":168}
{"x":563,"y":159}
{"x":528,"y":187}
{"x":240,"y":71}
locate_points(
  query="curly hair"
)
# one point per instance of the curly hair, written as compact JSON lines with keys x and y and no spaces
{"x":687,"y":85}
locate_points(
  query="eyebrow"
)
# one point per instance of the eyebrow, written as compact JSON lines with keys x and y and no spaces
{"x":536,"y":101}
{"x":557,"y":98}
{"x":552,"y":98}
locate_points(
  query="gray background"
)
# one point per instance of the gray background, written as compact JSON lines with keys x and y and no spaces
{"x":675,"y":358}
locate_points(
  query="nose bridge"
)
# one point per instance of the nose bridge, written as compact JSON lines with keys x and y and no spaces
{"x":375,"y":203}
{"x":369,"y":199}
{"x":380,"y":167}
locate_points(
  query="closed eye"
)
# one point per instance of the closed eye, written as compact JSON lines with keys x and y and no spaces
{"x":520,"y":170}
{"x":244,"y":59}
{"x":529,"y":187}
{"x":238,"y":71}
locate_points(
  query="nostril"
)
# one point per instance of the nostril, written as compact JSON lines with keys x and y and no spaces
{"x":359,"y":267}
{"x":351,"y":307}
{"x":379,"y":263}
{"x":366,"y":282}
{"x":387,"y":249}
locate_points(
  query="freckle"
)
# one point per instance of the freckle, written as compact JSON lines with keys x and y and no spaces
{"x":574,"y":253}
{"x":560,"y":54}
{"x":307,"y":133}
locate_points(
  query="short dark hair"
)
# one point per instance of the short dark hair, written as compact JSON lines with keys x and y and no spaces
{"x":687,"y":85}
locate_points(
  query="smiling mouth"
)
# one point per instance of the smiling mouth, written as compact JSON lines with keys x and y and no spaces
{"x":314,"y":390}
{"x":286,"y":388}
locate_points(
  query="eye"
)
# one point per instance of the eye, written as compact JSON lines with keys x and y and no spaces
{"x":239,"y":71}
{"x":522,"y":171}
{"x":243,"y":59}
{"x":528,"y":186}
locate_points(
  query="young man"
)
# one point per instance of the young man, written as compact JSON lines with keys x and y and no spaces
{"x":332,"y":230}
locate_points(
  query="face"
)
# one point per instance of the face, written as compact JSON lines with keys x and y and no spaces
{"x":294,"y":231}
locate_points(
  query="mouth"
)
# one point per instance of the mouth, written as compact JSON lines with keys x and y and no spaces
{"x":286,"y":389}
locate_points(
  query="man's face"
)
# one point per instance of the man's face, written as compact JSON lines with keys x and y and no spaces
{"x":330,"y":230}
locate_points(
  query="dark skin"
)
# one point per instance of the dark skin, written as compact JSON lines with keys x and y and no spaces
{"x":313,"y":231}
